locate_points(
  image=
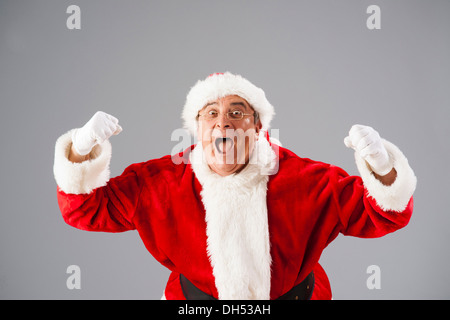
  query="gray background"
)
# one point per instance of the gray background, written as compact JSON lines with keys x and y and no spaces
{"x":320,"y":67}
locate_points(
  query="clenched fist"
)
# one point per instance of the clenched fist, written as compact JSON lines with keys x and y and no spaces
{"x":99,"y":128}
{"x":367,"y":142}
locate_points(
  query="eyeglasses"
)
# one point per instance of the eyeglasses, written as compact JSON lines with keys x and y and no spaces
{"x":232,"y":115}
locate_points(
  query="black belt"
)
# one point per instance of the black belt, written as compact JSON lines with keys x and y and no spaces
{"x":302,"y":291}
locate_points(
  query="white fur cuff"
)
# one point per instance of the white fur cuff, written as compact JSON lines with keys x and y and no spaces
{"x":396,"y":196}
{"x":81,"y":178}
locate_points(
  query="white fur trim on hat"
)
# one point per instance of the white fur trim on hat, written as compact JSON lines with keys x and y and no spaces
{"x":81,"y":178}
{"x":220,"y":85}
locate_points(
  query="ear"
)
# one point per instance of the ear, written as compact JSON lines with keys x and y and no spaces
{"x":258,"y":126}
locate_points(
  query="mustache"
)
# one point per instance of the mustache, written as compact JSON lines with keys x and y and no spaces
{"x":232,"y":134}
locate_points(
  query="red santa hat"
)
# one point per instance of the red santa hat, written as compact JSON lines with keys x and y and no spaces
{"x":219,"y":85}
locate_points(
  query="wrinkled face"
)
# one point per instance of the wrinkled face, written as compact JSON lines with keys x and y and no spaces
{"x":227,"y":130}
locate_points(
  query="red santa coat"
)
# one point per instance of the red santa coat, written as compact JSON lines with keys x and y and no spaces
{"x":253,"y":236}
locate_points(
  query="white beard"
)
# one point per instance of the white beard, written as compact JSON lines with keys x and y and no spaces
{"x":237,"y":224}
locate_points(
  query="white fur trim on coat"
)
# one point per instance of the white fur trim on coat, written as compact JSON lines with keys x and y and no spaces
{"x":237,"y":224}
{"x":81,"y":178}
{"x":396,"y":196}
{"x":221,"y":85}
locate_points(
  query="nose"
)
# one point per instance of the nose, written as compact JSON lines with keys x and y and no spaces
{"x":222,"y":121}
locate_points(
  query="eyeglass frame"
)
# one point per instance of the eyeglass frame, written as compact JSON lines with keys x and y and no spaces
{"x":228,"y":116}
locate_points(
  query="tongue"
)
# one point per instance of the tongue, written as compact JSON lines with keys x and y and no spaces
{"x":225,"y":145}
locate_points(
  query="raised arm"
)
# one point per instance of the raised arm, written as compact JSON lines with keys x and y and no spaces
{"x":87,"y":197}
{"x":387,"y":186}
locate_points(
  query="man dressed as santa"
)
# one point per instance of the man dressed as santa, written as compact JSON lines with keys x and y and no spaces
{"x":236,"y":216}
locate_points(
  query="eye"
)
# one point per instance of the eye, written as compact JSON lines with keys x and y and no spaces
{"x":212,"y":113}
{"x":236,"y":114}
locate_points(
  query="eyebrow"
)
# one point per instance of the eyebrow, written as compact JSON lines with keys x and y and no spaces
{"x":239,"y":104}
{"x":209,"y":104}
{"x":231,"y":104}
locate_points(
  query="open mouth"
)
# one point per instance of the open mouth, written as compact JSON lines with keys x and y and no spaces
{"x":223,"y":144}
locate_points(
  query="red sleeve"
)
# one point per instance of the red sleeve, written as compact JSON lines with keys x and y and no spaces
{"x":109,"y":208}
{"x":359,"y":214}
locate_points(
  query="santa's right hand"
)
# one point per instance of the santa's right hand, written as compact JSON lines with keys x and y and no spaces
{"x":98,"y":129}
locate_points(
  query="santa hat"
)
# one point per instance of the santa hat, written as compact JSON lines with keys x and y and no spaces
{"x":219,"y":85}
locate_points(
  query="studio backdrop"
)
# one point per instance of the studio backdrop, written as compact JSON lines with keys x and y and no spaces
{"x":324,"y":65}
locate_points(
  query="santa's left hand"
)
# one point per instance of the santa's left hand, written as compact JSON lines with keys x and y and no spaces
{"x":367,"y":142}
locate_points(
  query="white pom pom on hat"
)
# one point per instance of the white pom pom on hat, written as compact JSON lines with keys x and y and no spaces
{"x":219,"y":85}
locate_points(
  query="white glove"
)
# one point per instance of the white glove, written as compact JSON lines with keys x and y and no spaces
{"x":367,"y":142}
{"x":99,"y":128}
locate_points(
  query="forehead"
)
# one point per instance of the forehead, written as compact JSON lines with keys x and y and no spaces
{"x":229,"y":101}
